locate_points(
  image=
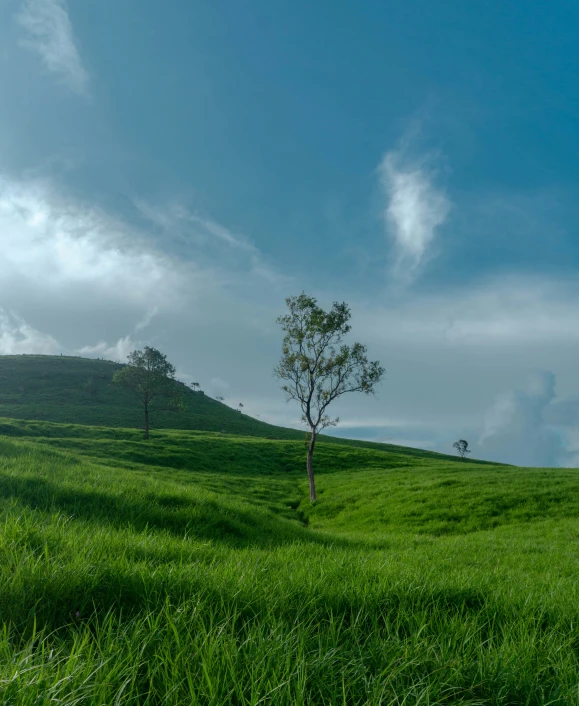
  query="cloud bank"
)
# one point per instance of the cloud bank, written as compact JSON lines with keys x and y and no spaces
{"x":516,"y":428}
{"x":57,"y":245}
{"x":49,"y":33}
{"x":101,"y":285}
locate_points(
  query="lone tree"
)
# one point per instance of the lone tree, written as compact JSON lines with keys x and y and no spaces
{"x":316,"y":371}
{"x":462,"y":447}
{"x":195,"y":386}
{"x":151,"y":378}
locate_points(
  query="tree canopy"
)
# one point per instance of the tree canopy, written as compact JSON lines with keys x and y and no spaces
{"x":462,"y":447}
{"x":151,"y":378}
{"x":317,"y":368}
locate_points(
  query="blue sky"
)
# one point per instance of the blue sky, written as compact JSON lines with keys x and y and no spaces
{"x":169,"y":172}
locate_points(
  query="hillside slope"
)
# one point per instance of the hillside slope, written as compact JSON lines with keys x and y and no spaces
{"x":77,"y":390}
{"x":80,"y":391}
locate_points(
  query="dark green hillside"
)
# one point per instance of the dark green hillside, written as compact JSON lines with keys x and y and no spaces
{"x":74,"y":390}
{"x":80,"y":391}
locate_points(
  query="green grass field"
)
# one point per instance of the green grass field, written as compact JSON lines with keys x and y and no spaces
{"x":192,"y":569}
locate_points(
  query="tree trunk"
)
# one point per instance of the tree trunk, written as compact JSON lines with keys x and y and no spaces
{"x":146,"y":421}
{"x":310,"y":468}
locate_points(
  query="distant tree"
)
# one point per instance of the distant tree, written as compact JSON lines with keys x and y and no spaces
{"x":240,"y":406}
{"x":462,"y":447}
{"x":195,"y":386}
{"x":315,"y":370}
{"x":151,"y":378}
{"x":221,"y":399}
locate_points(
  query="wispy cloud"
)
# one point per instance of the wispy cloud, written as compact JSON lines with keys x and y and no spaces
{"x":17,"y":336}
{"x":50,"y":34}
{"x":118,"y":351}
{"x":414,"y":207}
{"x":196,"y":235}
{"x":178,"y":221}
{"x":147,"y":319}
{"x":94,"y":282}
{"x":224,"y":234}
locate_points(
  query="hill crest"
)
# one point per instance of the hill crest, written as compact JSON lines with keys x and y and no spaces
{"x":77,"y":390}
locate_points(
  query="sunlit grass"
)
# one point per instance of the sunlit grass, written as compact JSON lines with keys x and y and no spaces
{"x":192,"y":570}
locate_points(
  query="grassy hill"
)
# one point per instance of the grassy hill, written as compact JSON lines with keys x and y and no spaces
{"x":191,"y":569}
{"x":78,"y":390}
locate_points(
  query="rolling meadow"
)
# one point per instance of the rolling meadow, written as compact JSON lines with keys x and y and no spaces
{"x":192,"y":568}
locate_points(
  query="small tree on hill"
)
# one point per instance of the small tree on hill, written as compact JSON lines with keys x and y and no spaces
{"x":315,"y":370}
{"x":151,"y":378}
{"x":462,"y":447}
{"x":221,"y":399}
{"x":195,"y":386}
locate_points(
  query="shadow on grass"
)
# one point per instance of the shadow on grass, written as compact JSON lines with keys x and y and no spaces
{"x":182,"y":517}
{"x":393,"y":613}
{"x":204,"y":454}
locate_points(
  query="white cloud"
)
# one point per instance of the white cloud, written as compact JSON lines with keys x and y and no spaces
{"x":563,"y":413}
{"x":95,"y":282}
{"x":50,"y":34}
{"x":414,"y":208}
{"x":509,"y":310}
{"x":55,"y":244}
{"x":102,"y":286}
{"x":119,"y":351}
{"x":16,"y":336}
{"x":450,"y":356}
{"x":515,"y":430}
